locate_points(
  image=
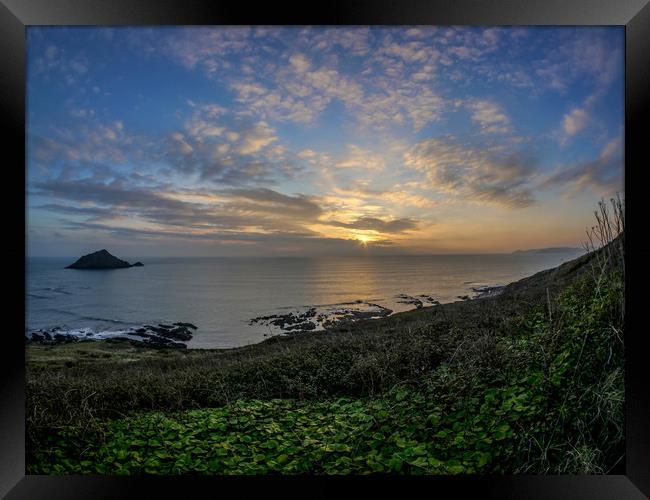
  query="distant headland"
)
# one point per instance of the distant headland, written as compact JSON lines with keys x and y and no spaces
{"x":553,"y":250}
{"x":101,"y":259}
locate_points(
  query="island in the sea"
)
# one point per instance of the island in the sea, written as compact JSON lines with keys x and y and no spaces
{"x":101,"y":259}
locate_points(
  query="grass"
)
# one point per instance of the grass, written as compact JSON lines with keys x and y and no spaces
{"x":527,"y":382}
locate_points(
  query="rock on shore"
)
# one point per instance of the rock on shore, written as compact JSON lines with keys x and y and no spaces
{"x":322,"y":317}
{"x":161,"y":335}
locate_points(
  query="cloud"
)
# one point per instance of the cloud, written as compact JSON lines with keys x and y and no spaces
{"x":400,"y":102}
{"x":612,"y":151}
{"x":490,"y":116}
{"x":297,"y":95}
{"x":256,"y":138}
{"x":267,"y":201}
{"x":357,"y":157}
{"x":115,"y":192}
{"x":236,"y":243}
{"x":391,"y":75}
{"x":86,"y":142}
{"x":379,"y":225}
{"x":355,"y":196}
{"x":212,"y":145}
{"x":82,"y":113}
{"x":258,"y":216}
{"x":307,"y":153}
{"x":183,"y":147}
{"x":56,"y":66}
{"x":410,"y":52}
{"x":221,"y":147}
{"x":301,"y":89}
{"x":603,"y":174}
{"x":235,"y":209}
{"x":583,"y":54}
{"x":355,"y":41}
{"x":475,"y":175}
{"x":300,"y":63}
{"x":574,"y":121}
{"x":205,"y":121}
{"x":93,"y":212}
{"x":382,"y":75}
{"x":205,"y":47}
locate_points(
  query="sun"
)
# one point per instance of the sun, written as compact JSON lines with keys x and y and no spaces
{"x":364,"y":239}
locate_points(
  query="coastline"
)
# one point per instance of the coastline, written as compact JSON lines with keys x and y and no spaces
{"x":85,"y":353}
{"x":342,"y":400}
{"x":310,"y":319}
{"x":222,"y":301}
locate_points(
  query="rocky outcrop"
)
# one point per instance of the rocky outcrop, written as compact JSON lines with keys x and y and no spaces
{"x":487,"y":291}
{"x":101,"y":260}
{"x":321,"y":317}
{"x":161,"y":335}
{"x":419,"y":301}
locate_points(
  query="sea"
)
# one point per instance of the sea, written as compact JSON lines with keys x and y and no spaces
{"x":221,"y":295}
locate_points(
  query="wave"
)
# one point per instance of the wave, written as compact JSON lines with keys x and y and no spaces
{"x":89,"y":318}
{"x":83,"y":332}
{"x":58,"y":289}
{"x":161,"y":335}
{"x":107,"y":320}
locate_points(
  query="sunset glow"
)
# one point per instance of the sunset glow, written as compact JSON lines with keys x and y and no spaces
{"x":320,"y":141}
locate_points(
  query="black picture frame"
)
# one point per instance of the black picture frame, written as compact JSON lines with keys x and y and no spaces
{"x":16,"y":15}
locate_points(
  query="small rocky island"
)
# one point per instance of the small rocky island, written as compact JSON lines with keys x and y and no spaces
{"x":101,"y":260}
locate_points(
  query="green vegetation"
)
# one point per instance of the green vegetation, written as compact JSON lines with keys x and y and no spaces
{"x":527,"y":382}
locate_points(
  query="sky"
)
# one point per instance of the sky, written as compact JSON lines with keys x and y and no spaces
{"x":270,"y":141}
